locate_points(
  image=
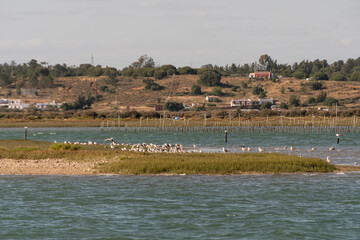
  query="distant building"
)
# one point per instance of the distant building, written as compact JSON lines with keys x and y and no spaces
{"x":46,"y":105}
{"x":261,"y":75}
{"x":17,"y":104}
{"x":13,"y":104}
{"x":249,"y":102}
{"x":211,"y":98}
{"x":240,"y":102}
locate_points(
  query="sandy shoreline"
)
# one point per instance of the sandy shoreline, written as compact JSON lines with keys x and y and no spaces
{"x":46,"y":167}
{"x":76,"y":168}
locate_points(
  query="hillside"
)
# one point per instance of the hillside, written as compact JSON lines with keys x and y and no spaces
{"x":130,"y":93}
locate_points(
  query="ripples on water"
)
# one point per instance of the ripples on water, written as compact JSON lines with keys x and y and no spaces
{"x":313,"y":206}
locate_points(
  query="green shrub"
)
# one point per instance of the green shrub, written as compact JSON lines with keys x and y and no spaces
{"x":64,"y":146}
{"x":210,"y":78}
{"x":294,"y":101}
{"x":330,"y":101}
{"x":173,"y":106}
{"x":195,"y":90}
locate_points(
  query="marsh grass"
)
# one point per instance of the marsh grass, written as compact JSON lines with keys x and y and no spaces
{"x":214,"y":163}
{"x":65,"y":146}
{"x":117,"y":162}
{"x":16,"y":143}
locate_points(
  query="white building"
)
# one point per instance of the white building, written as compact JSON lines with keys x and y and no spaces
{"x":249,"y":102}
{"x":46,"y":105}
{"x":13,"y":104}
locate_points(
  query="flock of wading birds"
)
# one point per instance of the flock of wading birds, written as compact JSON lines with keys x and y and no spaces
{"x":178,"y":148}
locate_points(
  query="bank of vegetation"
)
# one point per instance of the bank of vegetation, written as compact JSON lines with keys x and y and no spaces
{"x":119,"y":162}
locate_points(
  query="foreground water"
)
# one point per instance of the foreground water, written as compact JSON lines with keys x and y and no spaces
{"x":347,"y":152}
{"x":320,"y":206}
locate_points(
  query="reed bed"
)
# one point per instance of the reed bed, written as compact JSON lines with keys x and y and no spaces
{"x":214,"y":163}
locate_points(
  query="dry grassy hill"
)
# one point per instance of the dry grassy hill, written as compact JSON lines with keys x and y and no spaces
{"x":130,"y":93}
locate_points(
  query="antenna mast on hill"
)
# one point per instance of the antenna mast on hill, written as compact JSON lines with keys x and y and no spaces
{"x":92,"y":59}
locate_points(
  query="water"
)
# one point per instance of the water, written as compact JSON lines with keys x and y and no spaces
{"x":299,"y":206}
{"x":315,"y":206}
{"x":347,"y":152}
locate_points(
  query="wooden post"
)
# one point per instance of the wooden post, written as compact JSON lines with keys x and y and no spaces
{"x":25,"y":134}
{"x":225,"y":136}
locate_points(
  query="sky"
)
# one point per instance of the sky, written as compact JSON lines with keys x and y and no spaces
{"x":179,"y":32}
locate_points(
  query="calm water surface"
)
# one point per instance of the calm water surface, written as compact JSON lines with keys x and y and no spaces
{"x":310,"y":206}
{"x":319,"y":206}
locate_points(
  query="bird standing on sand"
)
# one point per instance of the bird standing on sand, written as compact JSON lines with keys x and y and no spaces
{"x":332,"y":149}
{"x":292,"y":148}
{"x":260,"y":149}
{"x":249,"y":149}
{"x":328,"y":159}
{"x":243,"y":148}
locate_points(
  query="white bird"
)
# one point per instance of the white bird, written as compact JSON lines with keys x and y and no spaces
{"x":292,"y":148}
{"x":285,"y":147}
{"x":224,"y":150}
{"x":110,"y":139}
{"x":328,"y":159}
{"x":338,"y":134}
{"x":332,"y":149}
{"x":261,"y":150}
{"x":249,"y":149}
{"x":313,"y":148}
{"x":195,"y":146}
{"x":55,"y":141}
{"x":243,"y":149}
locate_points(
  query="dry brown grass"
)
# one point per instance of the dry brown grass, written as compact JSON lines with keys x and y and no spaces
{"x":131,"y":95}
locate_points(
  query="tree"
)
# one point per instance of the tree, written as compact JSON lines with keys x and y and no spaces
{"x":294,"y":101}
{"x":320,"y":76}
{"x":257,"y":90}
{"x":265,"y":62}
{"x":4,"y":79}
{"x":151,"y":85}
{"x":321,"y":97}
{"x":186,"y":70}
{"x":315,"y":85}
{"x":299,"y":74}
{"x":160,"y":73}
{"x":266,"y":105}
{"x":338,"y":76}
{"x":283,"y":105}
{"x":330,"y":101}
{"x":47,"y":82}
{"x":111,"y":72}
{"x":311,"y":100}
{"x":195,"y":90}
{"x":173,"y":106}
{"x":144,"y":61}
{"x":210,"y":78}
{"x":355,"y":76}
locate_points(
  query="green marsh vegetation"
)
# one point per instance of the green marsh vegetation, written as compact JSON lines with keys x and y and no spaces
{"x":114,"y":161}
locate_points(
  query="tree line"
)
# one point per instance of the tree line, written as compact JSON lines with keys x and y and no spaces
{"x":41,"y":74}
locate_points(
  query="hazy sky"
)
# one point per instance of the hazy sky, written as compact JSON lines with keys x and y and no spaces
{"x":179,"y":32}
